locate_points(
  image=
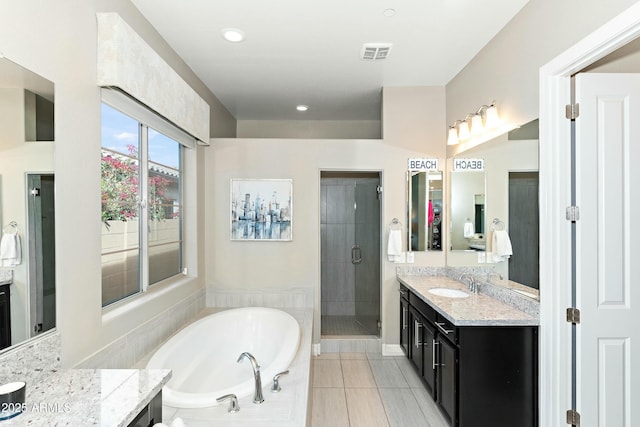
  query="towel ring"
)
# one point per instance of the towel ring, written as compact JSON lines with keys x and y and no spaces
{"x":497,"y":224}
{"x":395,"y":224}
{"x":13,"y":225}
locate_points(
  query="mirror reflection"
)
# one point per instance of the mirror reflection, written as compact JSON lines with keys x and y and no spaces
{"x":511,"y":197}
{"x":467,"y":211}
{"x":27,"y":214}
{"x":425,"y":210}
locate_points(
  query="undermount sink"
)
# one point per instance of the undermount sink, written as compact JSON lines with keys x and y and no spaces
{"x":449,"y":293}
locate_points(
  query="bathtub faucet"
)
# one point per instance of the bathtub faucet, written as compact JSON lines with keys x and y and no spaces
{"x":257,"y":397}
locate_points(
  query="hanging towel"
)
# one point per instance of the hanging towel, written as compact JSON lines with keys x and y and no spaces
{"x":430,"y":213}
{"x":394,"y":246}
{"x":501,"y":246}
{"x":10,"y":249}
{"x":469,"y":229}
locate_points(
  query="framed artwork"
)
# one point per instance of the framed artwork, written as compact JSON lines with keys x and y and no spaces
{"x":261,"y":209}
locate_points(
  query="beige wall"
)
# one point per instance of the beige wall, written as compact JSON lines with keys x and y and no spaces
{"x":506,"y":70}
{"x":305,"y":129}
{"x":285,"y":265}
{"x":58,"y":41}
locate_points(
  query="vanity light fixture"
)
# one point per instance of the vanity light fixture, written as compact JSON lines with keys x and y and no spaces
{"x":478,"y":127}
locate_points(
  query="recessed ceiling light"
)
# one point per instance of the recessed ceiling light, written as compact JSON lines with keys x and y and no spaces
{"x":233,"y":35}
{"x":389,"y":12}
{"x":302,"y":107}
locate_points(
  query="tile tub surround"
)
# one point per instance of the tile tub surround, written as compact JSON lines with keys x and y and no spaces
{"x":127,"y":350}
{"x":88,"y":397}
{"x":476,"y":310}
{"x":287,"y":408}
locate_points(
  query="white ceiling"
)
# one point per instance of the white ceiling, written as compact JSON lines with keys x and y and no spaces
{"x":308,"y":51}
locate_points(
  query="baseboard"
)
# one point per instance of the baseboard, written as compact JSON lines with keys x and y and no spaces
{"x":392,"y":350}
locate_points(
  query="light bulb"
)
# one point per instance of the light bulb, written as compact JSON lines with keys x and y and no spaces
{"x":476,"y":124}
{"x":453,"y":136}
{"x":491,"y":118}
{"x":463,"y":131}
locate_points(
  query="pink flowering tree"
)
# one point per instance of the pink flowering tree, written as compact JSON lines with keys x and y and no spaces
{"x":119,"y":188}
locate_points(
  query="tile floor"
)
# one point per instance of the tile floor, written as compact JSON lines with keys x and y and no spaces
{"x":370,"y":390}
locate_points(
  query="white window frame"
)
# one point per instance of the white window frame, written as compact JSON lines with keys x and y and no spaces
{"x":149,"y":119}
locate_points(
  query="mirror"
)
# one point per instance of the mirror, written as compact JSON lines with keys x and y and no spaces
{"x":511,"y":175}
{"x":27,"y":262}
{"x":467,"y":225}
{"x":425,"y":204}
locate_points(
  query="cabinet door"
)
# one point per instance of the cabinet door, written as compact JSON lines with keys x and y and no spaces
{"x":447,"y":384}
{"x":5,"y":317}
{"x":404,"y":325}
{"x":416,"y":339}
{"x":429,"y":358}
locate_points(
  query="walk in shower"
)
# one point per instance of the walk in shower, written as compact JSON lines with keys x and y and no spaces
{"x":350,"y":253}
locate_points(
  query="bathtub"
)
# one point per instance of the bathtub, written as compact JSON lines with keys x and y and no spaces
{"x":203,"y":356}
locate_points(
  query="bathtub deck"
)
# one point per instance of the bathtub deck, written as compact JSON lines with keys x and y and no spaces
{"x":285,"y":409}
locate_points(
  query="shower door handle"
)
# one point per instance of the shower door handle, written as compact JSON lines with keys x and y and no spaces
{"x":356,"y":254}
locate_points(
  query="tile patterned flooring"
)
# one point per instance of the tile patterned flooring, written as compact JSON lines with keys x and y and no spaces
{"x":370,"y":390}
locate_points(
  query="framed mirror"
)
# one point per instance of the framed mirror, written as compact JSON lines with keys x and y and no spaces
{"x":467,"y":206}
{"x":425,"y":203}
{"x":27,"y":213}
{"x":511,"y":180}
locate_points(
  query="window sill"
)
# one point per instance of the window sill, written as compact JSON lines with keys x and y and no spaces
{"x":153,"y":294}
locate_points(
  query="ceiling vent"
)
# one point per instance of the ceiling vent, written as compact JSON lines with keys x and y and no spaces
{"x":375,"y":51}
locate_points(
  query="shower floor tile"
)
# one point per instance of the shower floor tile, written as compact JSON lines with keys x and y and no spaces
{"x":348,"y":325}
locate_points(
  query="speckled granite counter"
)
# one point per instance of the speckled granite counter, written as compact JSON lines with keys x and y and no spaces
{"x":89,"y":397}
{"x":475,"y":310}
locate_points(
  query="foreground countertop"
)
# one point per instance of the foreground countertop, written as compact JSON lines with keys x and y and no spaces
{"x":475,"y":310}
{"x":89,"y":397}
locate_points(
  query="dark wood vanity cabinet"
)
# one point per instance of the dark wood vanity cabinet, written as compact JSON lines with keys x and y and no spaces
{"x":478,"y":375}
{"x":404,"y":321}
{"x":5,"y":317}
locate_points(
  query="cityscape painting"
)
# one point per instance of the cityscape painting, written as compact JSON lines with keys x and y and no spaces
{"x":261,"y":209}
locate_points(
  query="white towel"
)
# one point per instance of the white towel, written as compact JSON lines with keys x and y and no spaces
{"x":469,"y":230}
{"x":501,"y":246}
{"x":10,"y":250}
{"x":394,"y":246}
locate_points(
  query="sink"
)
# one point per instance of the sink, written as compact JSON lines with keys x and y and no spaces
{"x":449,"y":293}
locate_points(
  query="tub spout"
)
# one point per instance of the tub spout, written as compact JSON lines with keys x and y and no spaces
{"x":257,"y":396}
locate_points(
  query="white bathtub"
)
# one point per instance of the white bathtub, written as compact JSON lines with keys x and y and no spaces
{"x":203,"y":356}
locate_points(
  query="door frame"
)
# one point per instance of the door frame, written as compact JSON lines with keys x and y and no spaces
{"x":316,"y":350}
{"x":555,"y":195}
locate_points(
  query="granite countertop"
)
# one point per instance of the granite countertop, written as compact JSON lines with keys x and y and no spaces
{"x":475,"y":310}
{"x":90,"y":397}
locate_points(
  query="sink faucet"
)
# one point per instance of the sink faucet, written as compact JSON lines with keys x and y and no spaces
{"x":473,"y":285}
{"x":493,"y":273}
{"x":257,"y":396}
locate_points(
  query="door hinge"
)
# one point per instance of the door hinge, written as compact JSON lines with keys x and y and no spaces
{"x":573,"y":213}
{"x":573,"y":417}
{"x":573,"y":315}
{"x":572,"y":111}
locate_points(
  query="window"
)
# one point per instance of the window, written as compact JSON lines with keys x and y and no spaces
{"x":141,"y":193}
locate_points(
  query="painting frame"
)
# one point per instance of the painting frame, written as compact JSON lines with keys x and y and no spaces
{"x":261,"y":210}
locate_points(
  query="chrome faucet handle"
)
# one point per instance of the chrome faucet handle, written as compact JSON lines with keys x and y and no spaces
{"x":276,"y":381}
{"x":233,"y":402}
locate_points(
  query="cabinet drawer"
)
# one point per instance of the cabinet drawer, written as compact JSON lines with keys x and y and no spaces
{"x":425,"y":309}
{"x":446,"y":328}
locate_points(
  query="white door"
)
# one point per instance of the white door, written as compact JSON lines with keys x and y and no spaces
{"x":608,"y":249}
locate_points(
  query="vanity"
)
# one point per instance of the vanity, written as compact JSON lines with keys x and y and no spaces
{"x":477,"y":356}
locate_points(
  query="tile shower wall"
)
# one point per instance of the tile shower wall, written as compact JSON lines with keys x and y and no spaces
{"x":337,"y":231}
{"x":350,"y":214}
